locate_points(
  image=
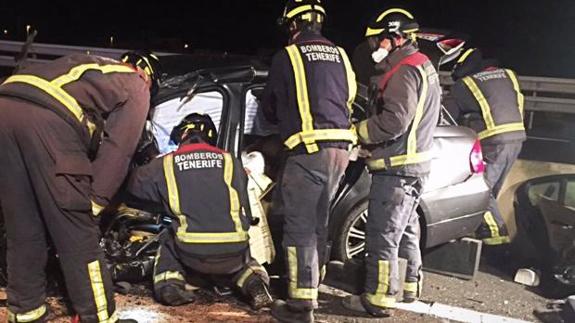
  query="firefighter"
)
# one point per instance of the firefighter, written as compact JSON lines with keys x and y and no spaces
{"x":488,"y":99}
{"x":397,"y":140}
{"x":204,"y":189}
{"x":68,"y":129}
{"x":310,"y":91}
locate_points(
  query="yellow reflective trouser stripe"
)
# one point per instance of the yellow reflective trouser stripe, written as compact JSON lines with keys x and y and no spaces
{"x":320,"y":134}
{"x":380,"y":298}
{"x":508,"y":127}
{"x":493,"y":228}
{"x":98,"y":290}
{"x":496,"y":240}
{"x":302,"y":96}
{"x":167,"y":275}
{"x":54,"y":88}
{"x":410,"y":287}
{"x":242,"y":280}
{"x":156,"y":260}
{"x":351,"y":83}
{"x":28,"y":316}
{"x":293,"y":290}
{"x":203,"y":237}
{"x":481,"y":100}
{"x":520,"y":97}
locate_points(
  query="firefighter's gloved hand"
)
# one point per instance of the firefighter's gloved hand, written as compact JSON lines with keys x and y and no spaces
{"x":96,"y":208}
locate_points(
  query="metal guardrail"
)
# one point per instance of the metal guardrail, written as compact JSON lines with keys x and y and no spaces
{"x":40,"y":52}
{"x":543,"y":94}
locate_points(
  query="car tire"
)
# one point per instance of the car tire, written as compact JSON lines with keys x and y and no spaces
{"x":357,"y":218}
{"x":341,"y":234}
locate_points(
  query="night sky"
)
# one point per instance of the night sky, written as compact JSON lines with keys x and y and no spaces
{"x":532,"y":37}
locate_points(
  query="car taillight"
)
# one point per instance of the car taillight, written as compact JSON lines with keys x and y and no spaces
{"x":476,"y":159}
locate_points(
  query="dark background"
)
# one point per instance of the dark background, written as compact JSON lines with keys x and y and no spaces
{"x":532,"y":37}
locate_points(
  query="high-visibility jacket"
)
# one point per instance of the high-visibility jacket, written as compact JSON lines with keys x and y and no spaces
{"x":104,"y":100}
{"x":205,"y":190}
{"x":404,"y":113}
{"x":493,"y":95}
{"x":310,"y":92}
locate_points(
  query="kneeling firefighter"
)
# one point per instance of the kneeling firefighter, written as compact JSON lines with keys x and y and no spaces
{"x":205,"y":190}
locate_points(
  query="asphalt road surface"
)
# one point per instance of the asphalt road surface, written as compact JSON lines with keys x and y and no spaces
{"x":491,"y":297}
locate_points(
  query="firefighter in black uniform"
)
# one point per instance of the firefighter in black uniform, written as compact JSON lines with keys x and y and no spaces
{"x":488,"y":99}
{"x":68,"y":130}
{"x":397,"y":140}
{"x":204,"y":189}
{"x":310,"y":91}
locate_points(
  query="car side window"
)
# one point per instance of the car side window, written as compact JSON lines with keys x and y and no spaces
{"x":548,"y":190}
{"x":254,"y":121}
{"x":570,"y":194}
{"x":168,"y":114}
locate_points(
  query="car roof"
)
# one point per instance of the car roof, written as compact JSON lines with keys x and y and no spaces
{"x":174,"y":65}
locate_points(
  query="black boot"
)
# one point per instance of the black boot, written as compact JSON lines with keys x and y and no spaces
{"x":282,"y":312}
{"x":258,"y":294}
{"x":174,"y":295}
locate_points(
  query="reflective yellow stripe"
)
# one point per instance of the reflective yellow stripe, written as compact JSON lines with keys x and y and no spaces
{"x":412,"y":156}
{"x":157,"y":260}
{"x":294,"y":12}
{"x":363,"y":132}
{"x":410,"y":287}
{"x":173,"y":194}
{"x":168,"y":275}
{"x":234,"y":199}
{"x":465,"y":55}
{"x":412,"y":138}
{"x":76,"y":72}
{"x":378,"y":164}
{"x":490,"y":128}
{"x":380,"y":298}
{"x":204,"y":237}
{"x":410,"y":159}
{"x":96,"y":208}
{"x":483,"y":104}
{"x":351,"y":83}
{"x":98,"y":290}
{"x":215,"y":237}
{"x":373,"y":32}
{"x":242,"y":280}
{"x":293,"y":290}
{"x":508,"y":127}
{"x":27,"y":316}
{"x":54,"y":87}
{"x":520,"y":98}
{"x":302,"y":95}
{"x":493,"y":228}
{"x":320,"y":135}
{"x":394,"y":10}
{"x":496,"y":241}
{"x":57,"y":93}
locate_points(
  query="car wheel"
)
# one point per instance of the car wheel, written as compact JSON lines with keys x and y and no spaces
{"x":349,"y":240}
